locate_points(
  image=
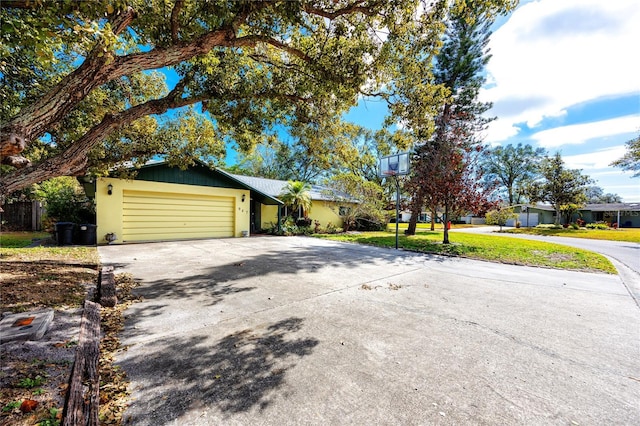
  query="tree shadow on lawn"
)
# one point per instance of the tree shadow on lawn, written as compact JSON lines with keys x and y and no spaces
{"x":233,"y":374}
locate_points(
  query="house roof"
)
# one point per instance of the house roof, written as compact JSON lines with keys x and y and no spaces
{"x":612,"y":207}
{"x":266,"y":191}
{"x":202,"y":175}
{"x":607,"y":207}
{"x":275,"y":187}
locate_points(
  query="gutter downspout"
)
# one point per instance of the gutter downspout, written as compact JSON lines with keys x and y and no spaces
{"x":279,"y":219}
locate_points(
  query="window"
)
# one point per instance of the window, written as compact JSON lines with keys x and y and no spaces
{"x":344,"y":210}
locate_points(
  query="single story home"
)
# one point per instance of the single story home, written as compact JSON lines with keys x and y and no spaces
{"x":165,"y":203}
{"x":325,"y":208}
{"x":626,"y":215}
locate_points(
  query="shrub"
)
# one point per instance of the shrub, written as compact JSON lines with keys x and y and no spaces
{"x":575,"y":226}
{"x":370,"y":223}
{"x":331,"y":228}
{"x":597,"y":225}
{"x":500,"y":216}
{"x":65,"y":201}
{"x":303,"y":222}
{"x":549,"y":226}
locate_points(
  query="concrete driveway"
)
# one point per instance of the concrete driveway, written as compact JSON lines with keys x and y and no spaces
{"x":624,"y":255}
{"x":294,"y":330}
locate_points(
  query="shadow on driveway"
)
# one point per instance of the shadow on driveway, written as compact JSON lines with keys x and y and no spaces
{"x":234,"y":374}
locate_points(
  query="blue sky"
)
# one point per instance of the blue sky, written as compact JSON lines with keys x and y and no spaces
{"x":563,"y":76}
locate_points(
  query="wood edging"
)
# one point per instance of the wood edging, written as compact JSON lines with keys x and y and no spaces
{"x":82,"y":402}
{"x":107,"y":287}
{"x":81,"y":406}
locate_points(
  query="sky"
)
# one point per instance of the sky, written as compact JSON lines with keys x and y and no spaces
{"x":564,"y":76}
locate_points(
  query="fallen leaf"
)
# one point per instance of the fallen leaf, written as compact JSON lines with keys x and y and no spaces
{"x":28,"y":405}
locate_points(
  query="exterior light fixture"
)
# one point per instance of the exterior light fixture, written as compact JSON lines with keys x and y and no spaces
{"x":243,"y":198}
{"x":109,"y":189}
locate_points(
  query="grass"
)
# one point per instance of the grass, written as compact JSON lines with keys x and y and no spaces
{"x":34,"y":277}
{"x":20,"y":239}
{"x":486,"y":247}
{"x":420,"y":227}
{"x":631,"y":235}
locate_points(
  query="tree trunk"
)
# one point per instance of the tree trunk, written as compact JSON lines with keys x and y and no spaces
{"x":416,"y":209}
{"x":558,"y":215}
{"x":433,"y":219}
{"x":445,"y":218}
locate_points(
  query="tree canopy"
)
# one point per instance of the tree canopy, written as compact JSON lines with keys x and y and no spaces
{"x":445,"y":174}
{"x":513,"y":168}
{"x":80,"y":86}
{"x":559,"y":186}
{"x":596,"y":195}
{"x":631,"y":159}
{"x":297,"y":195}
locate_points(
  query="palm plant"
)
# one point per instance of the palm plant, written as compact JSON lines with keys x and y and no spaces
{"x":297,"y":195}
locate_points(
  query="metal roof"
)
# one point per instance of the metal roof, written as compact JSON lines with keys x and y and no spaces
{"x":275,"y":187}
{"x":607,"y":207}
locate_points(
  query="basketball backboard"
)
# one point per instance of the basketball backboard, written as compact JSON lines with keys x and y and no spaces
{"x":394,"y":165}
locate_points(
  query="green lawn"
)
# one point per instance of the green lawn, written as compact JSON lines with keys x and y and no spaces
{"x":631,"y":235}
{"x":420,"y":227}
{"x":487,"y":247}
{"x":20,"y":239}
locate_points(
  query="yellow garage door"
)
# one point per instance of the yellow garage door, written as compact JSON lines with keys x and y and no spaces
{"x":153,"y":216}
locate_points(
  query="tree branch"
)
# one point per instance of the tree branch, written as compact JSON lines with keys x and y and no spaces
{"x":356,"y":7}
{"x":17,"y":4}
{"x":36,"y":118}
{"x":253,"y":40}
{"x":175,"y":13}
{"x":73,"y":160}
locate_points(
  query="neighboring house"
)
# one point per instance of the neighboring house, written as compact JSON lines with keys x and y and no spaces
{"x":165,"y":203}
{"x":626,"y":215}
{"x":325,"y":208}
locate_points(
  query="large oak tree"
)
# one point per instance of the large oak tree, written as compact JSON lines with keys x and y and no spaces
{"x":79,"y":88}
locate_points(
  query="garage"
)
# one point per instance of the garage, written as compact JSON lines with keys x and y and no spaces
{"x":164,"y":203}
{"x":148,"y":216}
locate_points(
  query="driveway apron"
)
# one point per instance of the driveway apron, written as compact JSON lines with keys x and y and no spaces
{"x":295,"y":330}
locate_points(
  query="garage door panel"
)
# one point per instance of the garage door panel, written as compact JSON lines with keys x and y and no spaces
{"x":177,"y":202}
{"x":168,"y":211}
{"x":157,"y":224}
{"x":149,"y":216}
{"x":148,"y":236}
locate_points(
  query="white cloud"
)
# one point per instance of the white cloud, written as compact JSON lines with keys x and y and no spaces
{"x":553,"y":54}
{"x":610,"y":179}
{"x":580,"y":133}
{"x":596,"y":160}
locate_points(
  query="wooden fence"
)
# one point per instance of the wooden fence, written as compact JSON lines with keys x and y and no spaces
{"x":22,"y":216}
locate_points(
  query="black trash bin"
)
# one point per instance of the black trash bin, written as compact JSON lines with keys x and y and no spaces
{"x":64,"y":233}
{"x":87,"y":234}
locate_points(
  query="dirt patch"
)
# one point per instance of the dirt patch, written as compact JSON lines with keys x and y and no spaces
{"x":28,"y":285}
{"x":555,"y":257}
{"x":30,"y":279}
{"x":39,"y":371}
